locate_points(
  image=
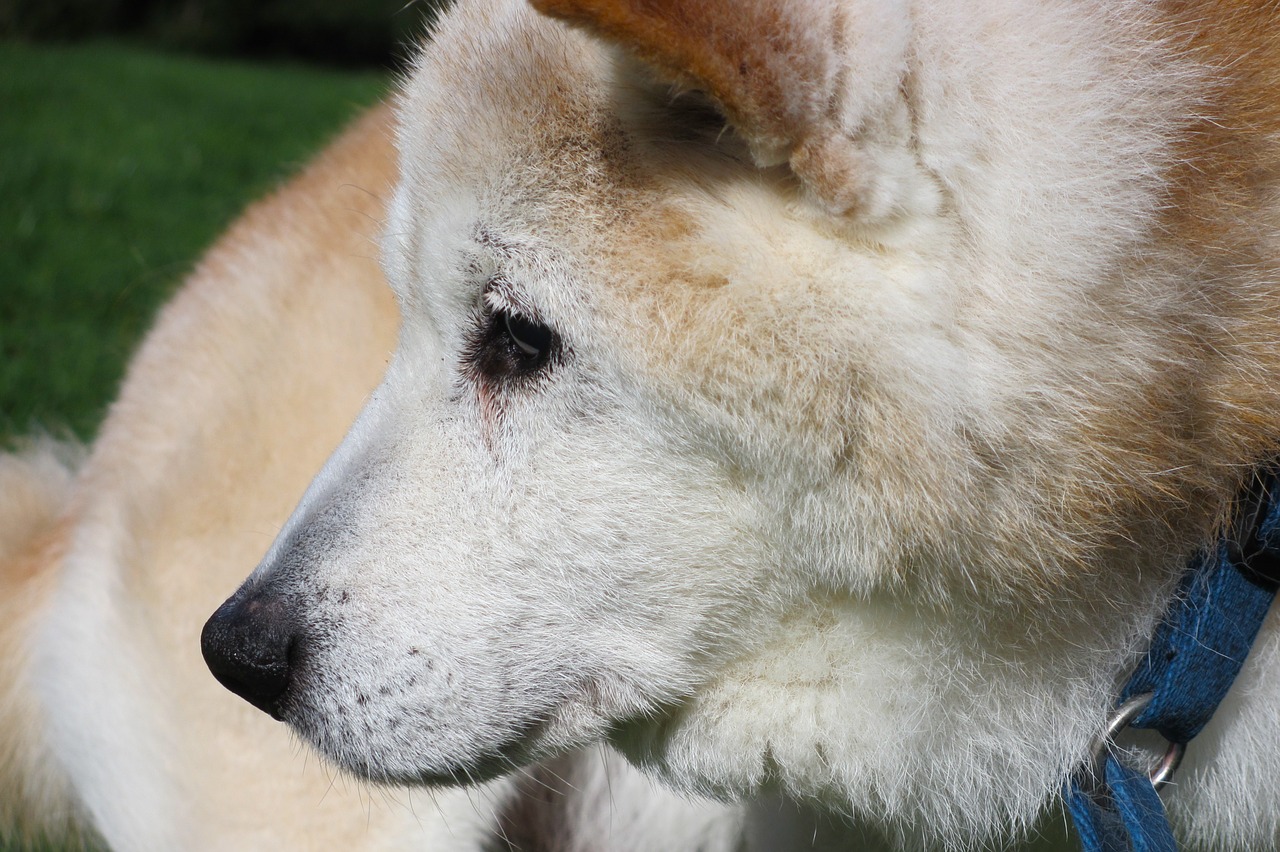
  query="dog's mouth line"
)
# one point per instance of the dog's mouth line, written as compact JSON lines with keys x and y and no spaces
{"x":528,"y":741}
{"x":512,"y":754}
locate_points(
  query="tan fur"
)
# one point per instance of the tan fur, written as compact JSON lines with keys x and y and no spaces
{"x":730,"y":49}
{"x":299,"y":270}
{"x":763,"y":63}
{"x":1224,"y":202}
{"x":253,"y":374}
{"x":35,"y":804}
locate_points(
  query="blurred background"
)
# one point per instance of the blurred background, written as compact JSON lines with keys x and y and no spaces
{"x":131,"y":133}
{"x":336,"y":33}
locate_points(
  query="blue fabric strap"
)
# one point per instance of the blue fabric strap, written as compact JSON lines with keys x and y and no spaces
{"x":1194,"y":657}
{"x":1129,"y":818}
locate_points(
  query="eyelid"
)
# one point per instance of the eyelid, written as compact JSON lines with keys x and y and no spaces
{"x":499,"y":294}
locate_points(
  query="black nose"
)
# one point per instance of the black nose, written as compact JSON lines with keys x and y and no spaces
{"x":247,"y":644}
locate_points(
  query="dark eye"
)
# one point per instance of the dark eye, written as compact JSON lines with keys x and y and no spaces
{"x":532,"y":341}
{"x":507,"y":347}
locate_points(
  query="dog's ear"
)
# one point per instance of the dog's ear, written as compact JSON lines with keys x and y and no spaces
{"x":812,"y":83}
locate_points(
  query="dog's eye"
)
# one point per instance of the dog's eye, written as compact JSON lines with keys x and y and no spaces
{"x":533,"y":341}
{"x":507,"y":346}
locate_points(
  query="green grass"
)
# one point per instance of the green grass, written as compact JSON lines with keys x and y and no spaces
{"x":117,"y":168}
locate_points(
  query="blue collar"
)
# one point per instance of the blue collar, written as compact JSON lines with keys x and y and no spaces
{"x":1196,"y":653}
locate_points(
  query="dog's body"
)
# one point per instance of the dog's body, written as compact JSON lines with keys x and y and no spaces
{"x":846,"y":457}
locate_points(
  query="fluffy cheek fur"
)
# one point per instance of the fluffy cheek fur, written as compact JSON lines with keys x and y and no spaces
{"x":564,"y":582}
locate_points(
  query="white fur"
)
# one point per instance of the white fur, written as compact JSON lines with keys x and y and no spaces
{"x":112,"y":733}
{"x":789,"y":521}
{"x":634,"y":552}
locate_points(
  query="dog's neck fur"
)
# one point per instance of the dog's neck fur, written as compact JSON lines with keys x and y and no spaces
{"x":593,"y":801}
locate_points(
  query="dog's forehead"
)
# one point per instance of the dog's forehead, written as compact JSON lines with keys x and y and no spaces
{"x":499,"y":93}
{"x":682,"y":252}
{"x":511,"y":152}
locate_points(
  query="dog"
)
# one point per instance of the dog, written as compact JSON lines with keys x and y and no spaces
{"x":792,"y":421}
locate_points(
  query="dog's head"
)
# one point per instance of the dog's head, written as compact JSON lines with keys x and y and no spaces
{"x":776,"y":396}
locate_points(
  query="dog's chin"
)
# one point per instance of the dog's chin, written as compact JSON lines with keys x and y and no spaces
{"x":463,"y":775}
{"x":395,"y":767}
{"x":403,"y":764}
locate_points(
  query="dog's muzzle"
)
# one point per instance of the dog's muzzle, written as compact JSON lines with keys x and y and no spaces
{"x":249,"y":644}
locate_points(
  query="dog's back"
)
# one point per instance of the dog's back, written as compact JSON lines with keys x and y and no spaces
{"x":107,"y":717}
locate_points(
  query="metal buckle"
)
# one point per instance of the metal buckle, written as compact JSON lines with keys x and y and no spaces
{"x":1160,"y":774}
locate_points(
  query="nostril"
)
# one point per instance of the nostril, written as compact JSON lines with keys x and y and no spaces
{"x":248,"y":645}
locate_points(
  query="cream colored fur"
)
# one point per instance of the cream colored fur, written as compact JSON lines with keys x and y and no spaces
{"x":882,"y":422}
{"x":282,"y":331}
{"x":34,"y":799}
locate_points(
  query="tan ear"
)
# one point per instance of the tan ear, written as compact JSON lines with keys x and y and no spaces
{"x":801,"y":80}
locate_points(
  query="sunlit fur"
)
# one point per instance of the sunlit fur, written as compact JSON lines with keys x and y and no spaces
{"x":907,"y":357}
